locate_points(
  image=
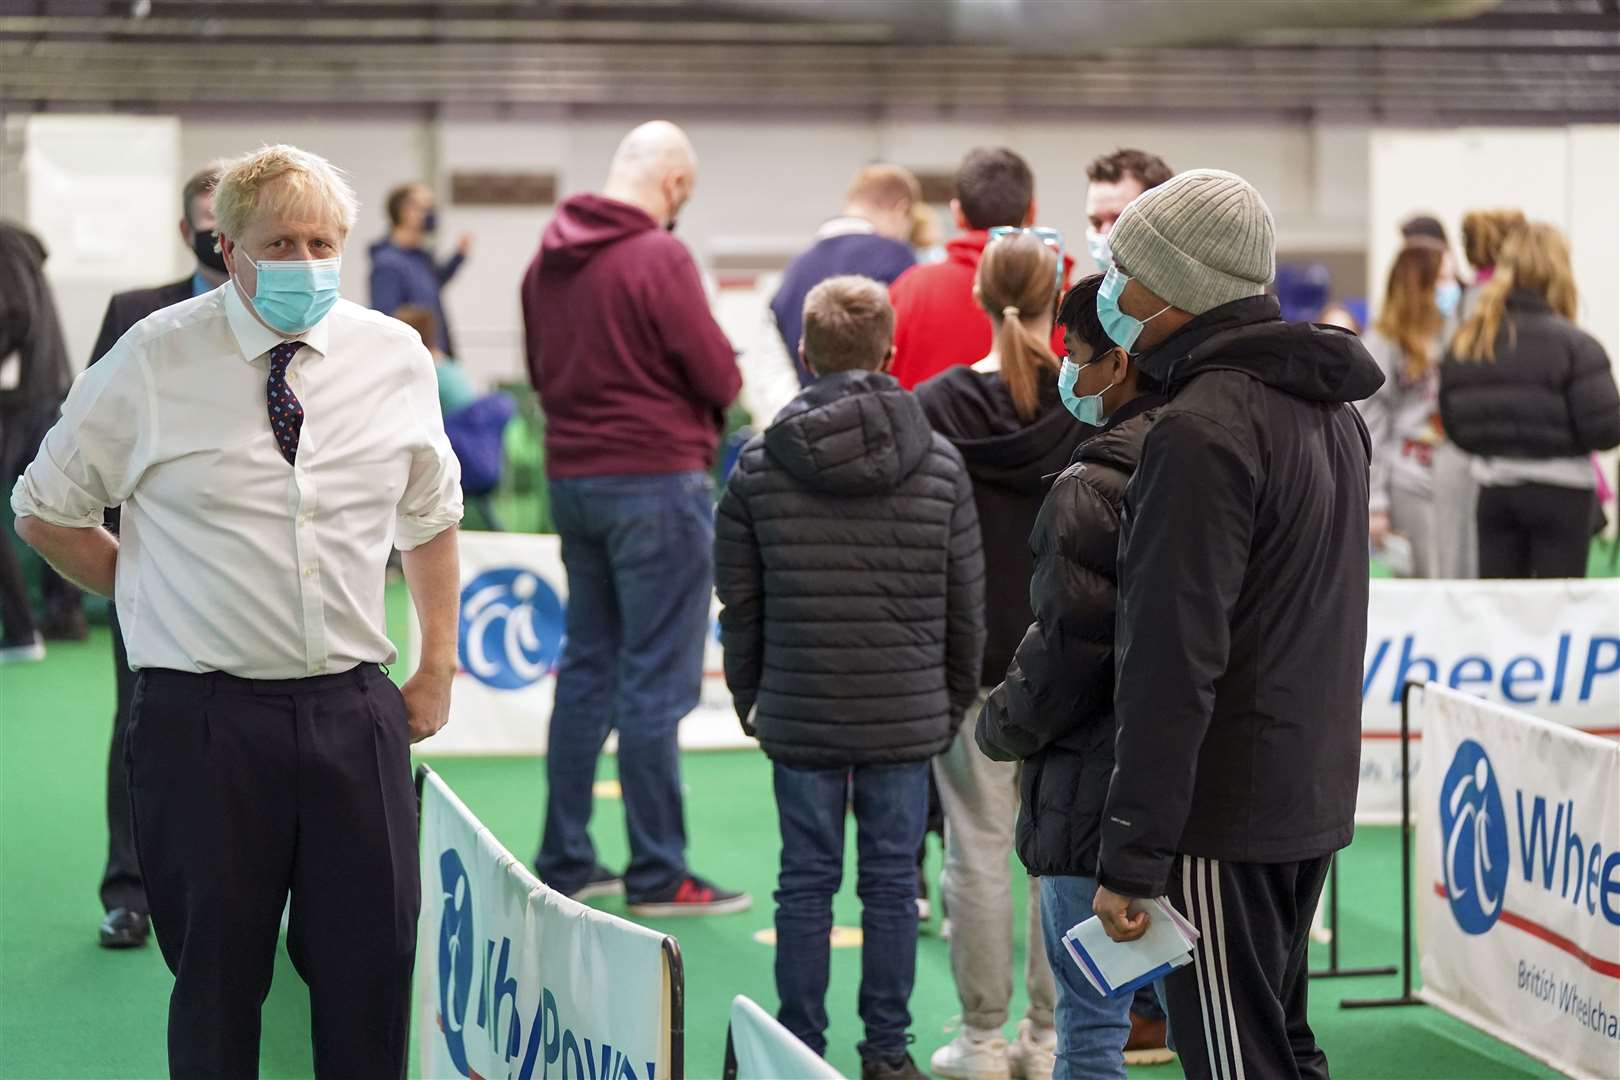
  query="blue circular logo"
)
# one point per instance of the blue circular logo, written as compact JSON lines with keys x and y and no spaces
{"x":511,"y":628}
{"x":456,"y":953}
{"x":1473,"y":828}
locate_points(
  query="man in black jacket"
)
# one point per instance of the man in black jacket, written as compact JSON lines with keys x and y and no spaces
{"x":123,"y":894}
{"x":847,"y":556}
{"x":1242,"y":623}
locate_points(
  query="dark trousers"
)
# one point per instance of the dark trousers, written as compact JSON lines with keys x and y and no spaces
{"x":638,"y":551}
{"x":1239,"y":1009}
{"x":1535,"y":531}
{"x":243,"y":792}
{"x":891,"y":812}
{"x":121,"y":885}
{"x":20,"y":436}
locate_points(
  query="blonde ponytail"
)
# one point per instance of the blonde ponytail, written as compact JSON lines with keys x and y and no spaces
{"x":1017,"y":286}
{"x":1533,"y":259}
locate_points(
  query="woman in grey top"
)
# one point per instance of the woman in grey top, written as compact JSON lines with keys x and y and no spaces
{"x":1421,"y":492}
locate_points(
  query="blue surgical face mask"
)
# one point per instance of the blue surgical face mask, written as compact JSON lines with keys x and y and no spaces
{"x":1100,"y":251}
{"x":1087,"y":409}
{"x":293,"y":296}
{"x":1447,"y":295}
{"x":1122,"y":328}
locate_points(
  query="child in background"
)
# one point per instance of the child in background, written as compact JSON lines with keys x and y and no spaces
{"x":847,"y":556}
{"x":455,"y":389}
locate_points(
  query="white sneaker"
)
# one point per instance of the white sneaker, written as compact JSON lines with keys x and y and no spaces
{"x":31,"y":651}
{"x":1033,"y":1055}
{"x":972,"y":1055}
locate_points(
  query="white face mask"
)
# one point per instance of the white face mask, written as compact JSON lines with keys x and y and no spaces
{"x":1101,"y":252}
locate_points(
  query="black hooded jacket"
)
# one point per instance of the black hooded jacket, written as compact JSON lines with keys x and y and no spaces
{"x":1012,"y":463}
{"x":847,"y":556}
{"x":1055,"y":712}
{"x":1243,"y":601}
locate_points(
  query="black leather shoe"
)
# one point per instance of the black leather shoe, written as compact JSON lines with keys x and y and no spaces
{"x":125,"y":929}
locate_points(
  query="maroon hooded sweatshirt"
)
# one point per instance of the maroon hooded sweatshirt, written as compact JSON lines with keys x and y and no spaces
{"x":633,"y":373}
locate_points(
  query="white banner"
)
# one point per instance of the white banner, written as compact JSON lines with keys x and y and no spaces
{"x":1550,"y":648}
{"x":513,"y":594}
{"x":765,"y":1050}
{"x":519,"y":982}
{"x":1518,"y":880}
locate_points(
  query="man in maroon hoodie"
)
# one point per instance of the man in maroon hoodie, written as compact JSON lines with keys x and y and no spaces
{"x":937,"y":323}
{"x":634,"y":376}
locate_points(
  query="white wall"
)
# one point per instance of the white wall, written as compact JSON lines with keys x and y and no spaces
{"x":764,"y":184}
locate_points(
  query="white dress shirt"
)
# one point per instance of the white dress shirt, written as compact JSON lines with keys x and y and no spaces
{"x":231,"y":559}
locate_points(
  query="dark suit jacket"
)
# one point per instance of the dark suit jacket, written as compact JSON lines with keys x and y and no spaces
{"x":126,"y":309}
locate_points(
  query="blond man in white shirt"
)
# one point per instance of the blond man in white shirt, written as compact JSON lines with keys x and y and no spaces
{"x":269,"y":443}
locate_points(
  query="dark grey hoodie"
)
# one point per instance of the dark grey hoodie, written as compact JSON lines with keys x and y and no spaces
{"x":847,"y":556}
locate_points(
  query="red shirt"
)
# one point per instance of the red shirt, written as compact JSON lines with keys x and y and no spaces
{"x":937,"y":323}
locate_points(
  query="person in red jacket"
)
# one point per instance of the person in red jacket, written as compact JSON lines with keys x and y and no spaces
{"x":938,"y":324}
{"x":634,"y":376}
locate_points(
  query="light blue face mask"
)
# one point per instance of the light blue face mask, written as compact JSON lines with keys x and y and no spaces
{"x":1447,"y":296}
{"x":1122,"y":328}
{"x":1100,"y":251}
{"x":293,"y":296}
{"x":1087,"y":409}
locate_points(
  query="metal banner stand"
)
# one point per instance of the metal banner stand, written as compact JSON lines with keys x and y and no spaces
{"x":1406,"y":996}
{"x":1333,"y":970}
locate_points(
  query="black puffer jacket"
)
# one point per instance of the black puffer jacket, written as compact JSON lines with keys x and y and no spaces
{"x":1012,"y":463}
{"x":1549,"y":393}
{"x":1055,"y":712}
{"x":1243,"y":601}
{"x":847,"y":556}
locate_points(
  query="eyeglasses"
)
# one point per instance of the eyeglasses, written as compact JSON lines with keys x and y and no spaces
{"x":1052,"y":238}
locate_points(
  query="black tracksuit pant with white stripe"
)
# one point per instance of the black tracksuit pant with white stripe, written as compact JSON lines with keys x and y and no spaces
{"x":1237,"y":1012}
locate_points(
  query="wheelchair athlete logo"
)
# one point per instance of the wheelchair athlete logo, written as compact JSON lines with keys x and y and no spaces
{"x":511,"y":628}
{"x":1474,"y":829}
{"x":456,"y":953}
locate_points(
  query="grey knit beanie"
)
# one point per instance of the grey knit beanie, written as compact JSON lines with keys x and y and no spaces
{"x":1201,"y":239}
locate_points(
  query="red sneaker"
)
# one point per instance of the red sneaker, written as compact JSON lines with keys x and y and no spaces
{"x":690,"y":896}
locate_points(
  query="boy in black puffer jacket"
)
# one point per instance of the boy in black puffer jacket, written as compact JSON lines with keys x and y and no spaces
{"x":847,"y":556}
{"x":1055,"y":711}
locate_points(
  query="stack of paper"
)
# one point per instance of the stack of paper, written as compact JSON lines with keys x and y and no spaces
{"x":1117,"y":968}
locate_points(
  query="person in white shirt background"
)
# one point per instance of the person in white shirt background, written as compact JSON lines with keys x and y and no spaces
{"x":269,"y":444}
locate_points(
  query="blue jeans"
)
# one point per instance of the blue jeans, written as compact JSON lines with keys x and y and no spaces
{"x":891,"y":813}
{"x":638,"y":551}
{"x":1091,"y":1029}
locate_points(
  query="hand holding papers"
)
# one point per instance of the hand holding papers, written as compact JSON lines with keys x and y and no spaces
{"x":1116,"y":968}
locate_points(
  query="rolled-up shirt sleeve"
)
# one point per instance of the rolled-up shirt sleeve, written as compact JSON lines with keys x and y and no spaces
{"x":94,"y":454}
{"x":432,"y":499}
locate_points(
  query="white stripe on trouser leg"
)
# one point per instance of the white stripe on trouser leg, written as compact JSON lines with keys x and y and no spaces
{"x":1189,"y":868}
{"x":1226,"y":975}
{"x":1217,"y":970}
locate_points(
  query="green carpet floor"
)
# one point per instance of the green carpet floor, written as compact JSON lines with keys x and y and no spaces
{"x":70,"y":1009}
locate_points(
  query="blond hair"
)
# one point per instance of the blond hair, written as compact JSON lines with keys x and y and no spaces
{"x":1017,"y":285}
{"x":848,"y":325}
{"x":1534,"y":259}
{"x":1485,"y":231}
{"x":279,"y":177}
{"x":1410,"y":318}
{"x":885,"y":185}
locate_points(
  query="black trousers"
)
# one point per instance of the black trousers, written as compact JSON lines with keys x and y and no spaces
{"x":1239,"y":1009}
{"x":1535,"y":531}
{"x":121,"y":885}
{"x":243,"y":792}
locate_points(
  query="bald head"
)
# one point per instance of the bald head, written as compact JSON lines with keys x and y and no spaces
{"x":654,"y":168}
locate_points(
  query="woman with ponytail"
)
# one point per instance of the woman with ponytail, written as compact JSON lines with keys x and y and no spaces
{"x":1005,"y":416}
{"x":1411,"y":494}
{"x":1532,"y":395}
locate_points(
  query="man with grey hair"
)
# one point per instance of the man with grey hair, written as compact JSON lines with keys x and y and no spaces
{"x":1242,"y":621}
{"x":634,"y":375}
{"x":269,"y":444}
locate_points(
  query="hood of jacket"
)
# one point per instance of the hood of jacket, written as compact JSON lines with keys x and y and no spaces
{"x":587,"y":224}
{"x":853,"y":433}
{"x":976,"y":414}
{"x":1307,"y":360}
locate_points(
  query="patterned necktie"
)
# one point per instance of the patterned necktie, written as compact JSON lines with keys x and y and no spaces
{"x":286,"y":412}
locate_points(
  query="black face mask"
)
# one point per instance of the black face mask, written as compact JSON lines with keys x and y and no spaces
{"x":203,"y":244}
